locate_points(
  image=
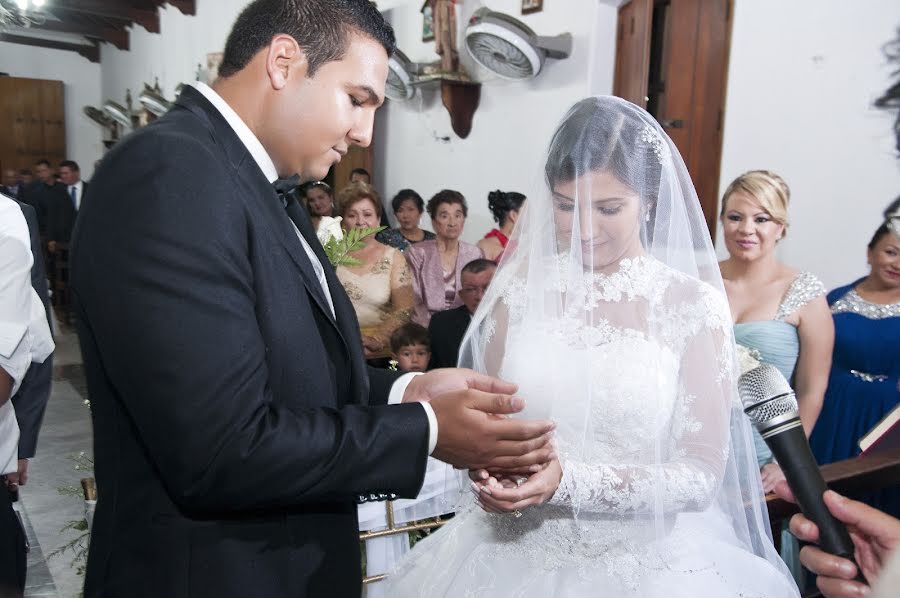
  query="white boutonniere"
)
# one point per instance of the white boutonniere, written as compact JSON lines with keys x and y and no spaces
{"x":329,"y":228}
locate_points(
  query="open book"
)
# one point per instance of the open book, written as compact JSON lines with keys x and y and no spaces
{"x":884,"y":435}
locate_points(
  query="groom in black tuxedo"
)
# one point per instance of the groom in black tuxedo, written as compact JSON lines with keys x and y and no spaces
{"x":235,"y":420}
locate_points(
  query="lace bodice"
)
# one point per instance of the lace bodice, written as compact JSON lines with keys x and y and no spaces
{"x":643,"y":418}
{"x":651,"y":436}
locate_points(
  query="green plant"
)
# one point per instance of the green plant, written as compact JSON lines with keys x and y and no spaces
{"x":79,"y":545}
{"x":338,"y":250}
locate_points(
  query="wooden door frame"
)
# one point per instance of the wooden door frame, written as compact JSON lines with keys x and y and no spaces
{"x":703,"y":151}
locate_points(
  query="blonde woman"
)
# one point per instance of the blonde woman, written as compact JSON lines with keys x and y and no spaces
{"x":777,"y":310}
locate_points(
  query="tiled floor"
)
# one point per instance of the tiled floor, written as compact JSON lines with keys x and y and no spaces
{"x":66,"y":432}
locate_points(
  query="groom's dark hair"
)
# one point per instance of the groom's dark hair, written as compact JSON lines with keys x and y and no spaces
{"x":321,"y":28}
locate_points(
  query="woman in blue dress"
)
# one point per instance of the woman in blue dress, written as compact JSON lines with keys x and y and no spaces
{"x":865,"y":376}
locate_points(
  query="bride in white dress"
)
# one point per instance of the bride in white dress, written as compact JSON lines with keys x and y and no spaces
{"x":609,"y":312}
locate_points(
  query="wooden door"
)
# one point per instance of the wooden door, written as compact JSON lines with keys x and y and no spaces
{"x":32,"y":122}
{"x":53,"y":119}
{"x":685,"y":81}
{"x":357,"y":157}
{"x":633,"y":51}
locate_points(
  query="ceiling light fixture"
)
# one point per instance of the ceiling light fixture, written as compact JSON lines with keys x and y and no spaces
{"x":21,"y":13}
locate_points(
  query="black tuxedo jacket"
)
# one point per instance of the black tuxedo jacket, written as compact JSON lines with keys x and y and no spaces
{"x":61,"y":214}
{"x":446,"y":330}
{"x":41,"y":197}
{"x":234,"y":418}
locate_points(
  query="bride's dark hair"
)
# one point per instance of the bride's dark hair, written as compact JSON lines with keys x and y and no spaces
{"x":599,"y":135}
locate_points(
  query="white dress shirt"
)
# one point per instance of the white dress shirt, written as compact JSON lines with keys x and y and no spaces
{"x":79,"y":189}
{"x":264,"y":161}
{"x":24,"y":333}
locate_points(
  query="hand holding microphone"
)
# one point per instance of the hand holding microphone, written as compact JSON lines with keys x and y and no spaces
{"x":771,"y":405}
{"x":876,"y":536}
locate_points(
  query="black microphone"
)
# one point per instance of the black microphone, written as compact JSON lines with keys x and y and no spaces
{"x":771,"y":405}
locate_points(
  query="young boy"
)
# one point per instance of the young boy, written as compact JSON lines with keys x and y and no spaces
{"x":411,"y":348}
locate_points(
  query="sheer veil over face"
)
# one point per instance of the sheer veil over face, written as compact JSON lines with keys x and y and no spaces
{"x":609,"y":312}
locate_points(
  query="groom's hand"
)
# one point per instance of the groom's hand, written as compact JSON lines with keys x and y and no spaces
{"x":441,"y":381}
{"x":474,"y":432}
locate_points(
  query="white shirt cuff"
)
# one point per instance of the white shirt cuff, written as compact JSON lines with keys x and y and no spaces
{"x":395,"y":397}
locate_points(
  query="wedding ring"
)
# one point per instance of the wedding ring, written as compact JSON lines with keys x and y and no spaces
{"x":517,"y":513}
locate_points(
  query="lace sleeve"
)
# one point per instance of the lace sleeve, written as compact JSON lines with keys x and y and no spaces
{"x":692,"y":456}
{"x":400,"y":308}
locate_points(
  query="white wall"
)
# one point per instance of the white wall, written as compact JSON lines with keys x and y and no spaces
{"x":82,"y":87}
{"x":802,"y":77}
{"x":511,"y":126}
{"x":801,"y":82}
{"x":173,"y":54}
{"x":514,"y":121}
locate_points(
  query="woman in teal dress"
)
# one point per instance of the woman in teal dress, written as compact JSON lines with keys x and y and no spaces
{"x":779,"y":313}
{"x":865,"y":376}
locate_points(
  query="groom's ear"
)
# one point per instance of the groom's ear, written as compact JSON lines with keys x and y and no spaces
{"x":285,"y":59}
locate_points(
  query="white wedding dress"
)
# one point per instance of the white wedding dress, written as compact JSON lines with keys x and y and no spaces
{"x":639,"y":512}
{"x":608,"y":311}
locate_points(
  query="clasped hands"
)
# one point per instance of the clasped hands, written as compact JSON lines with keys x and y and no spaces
{"x":512,"y":462}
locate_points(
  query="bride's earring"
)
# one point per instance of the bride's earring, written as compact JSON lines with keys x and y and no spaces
{"x":647,"y":217}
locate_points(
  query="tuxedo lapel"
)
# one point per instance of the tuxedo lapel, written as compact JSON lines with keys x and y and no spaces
{"x":345,"y":314}
{"x":266,"y":199}
{"x":343,"y":309}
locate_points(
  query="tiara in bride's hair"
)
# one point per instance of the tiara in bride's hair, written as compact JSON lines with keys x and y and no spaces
{"x":650,"y":138}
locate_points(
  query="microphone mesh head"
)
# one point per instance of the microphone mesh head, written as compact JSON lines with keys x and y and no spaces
{"x":766,"y":394}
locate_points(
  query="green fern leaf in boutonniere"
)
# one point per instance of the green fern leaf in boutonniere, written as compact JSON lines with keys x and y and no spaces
{"x":339,"y":245}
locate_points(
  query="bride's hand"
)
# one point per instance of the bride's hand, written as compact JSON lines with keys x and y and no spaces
{"x":501,"y":496}
{"x":480,"y":475}
{"x":477,"y":475}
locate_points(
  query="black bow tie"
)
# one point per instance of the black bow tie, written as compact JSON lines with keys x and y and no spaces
{"x":285,"y":187}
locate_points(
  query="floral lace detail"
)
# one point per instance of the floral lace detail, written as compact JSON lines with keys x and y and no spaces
{"x":804,"y":288}
{"x":853,"y":303}
{"x":640,"y":277}
{"x":648,"y":449}
{"x":514,"y":298}
{"x":382,"y":265}
{"x":405,"y":277}
{"x":353,"y":291}
{"x":635,"y":489}
{"x":640,"y":411}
